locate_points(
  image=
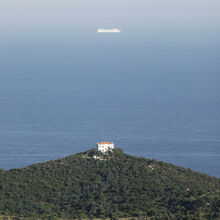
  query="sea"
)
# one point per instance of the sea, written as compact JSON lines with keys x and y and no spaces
{"x":154,"y":97}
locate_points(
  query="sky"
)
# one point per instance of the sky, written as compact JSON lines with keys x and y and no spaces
{"x":189,"y":18}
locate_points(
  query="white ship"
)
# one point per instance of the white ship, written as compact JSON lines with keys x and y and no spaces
{"x":113,"y":30}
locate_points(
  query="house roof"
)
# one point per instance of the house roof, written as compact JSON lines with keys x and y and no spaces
{"x":104,"y":143}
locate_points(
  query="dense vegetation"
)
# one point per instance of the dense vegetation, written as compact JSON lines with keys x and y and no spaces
{"x":120,"y":185}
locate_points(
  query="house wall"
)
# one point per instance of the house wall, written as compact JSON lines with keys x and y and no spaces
{"x":105,"y":147}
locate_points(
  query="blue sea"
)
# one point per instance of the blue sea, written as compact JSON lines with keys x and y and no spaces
{"x":153,"y":97}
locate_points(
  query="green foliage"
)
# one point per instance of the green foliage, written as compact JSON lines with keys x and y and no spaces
{"x":118,"y":185}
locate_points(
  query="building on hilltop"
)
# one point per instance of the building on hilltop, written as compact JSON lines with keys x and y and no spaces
{"x":104,"y":147}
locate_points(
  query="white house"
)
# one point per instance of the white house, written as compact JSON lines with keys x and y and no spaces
{"x":105,"y":146}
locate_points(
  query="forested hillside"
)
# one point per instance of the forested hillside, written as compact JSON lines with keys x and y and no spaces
{"x":117,"y":185}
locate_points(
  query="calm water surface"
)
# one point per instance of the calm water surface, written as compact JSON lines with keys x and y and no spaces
{"x":153,"y":99}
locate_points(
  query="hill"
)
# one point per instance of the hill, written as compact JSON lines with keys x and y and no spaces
{"x":113,"y":186}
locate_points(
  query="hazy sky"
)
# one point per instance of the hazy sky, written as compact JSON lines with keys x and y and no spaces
{"x":137,"y":16}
